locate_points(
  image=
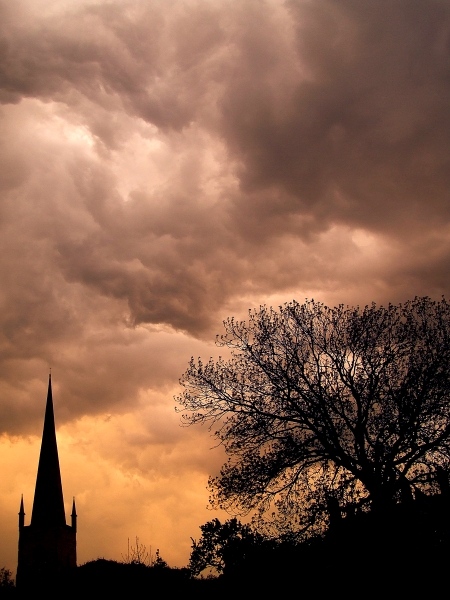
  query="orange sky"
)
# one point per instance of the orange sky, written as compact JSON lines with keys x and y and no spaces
{"x":166,"y":165}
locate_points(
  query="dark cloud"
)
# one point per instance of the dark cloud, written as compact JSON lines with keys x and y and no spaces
{"x":169,"y":158}
{"x":362,"y":136}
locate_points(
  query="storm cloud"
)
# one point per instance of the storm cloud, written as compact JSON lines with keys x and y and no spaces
{"x":165,"y":165}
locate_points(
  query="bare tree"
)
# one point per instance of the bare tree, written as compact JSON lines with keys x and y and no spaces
{"x":320,"y":407}
{"x":138,"y":554}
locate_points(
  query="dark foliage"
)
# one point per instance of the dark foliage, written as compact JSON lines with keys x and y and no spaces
{"x":228,"y":548}
{"x":108,"y":576}
{"x":404,"y":551}
{"x":7,"y":584}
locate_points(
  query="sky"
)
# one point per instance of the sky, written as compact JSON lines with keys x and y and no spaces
{"x":166,"y":164}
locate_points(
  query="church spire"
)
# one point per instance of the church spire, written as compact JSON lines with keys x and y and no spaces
{"x":48,"y":505}
{"x":21,"y":514}
{"x":74,"y":516}
{"x":48,"y":546}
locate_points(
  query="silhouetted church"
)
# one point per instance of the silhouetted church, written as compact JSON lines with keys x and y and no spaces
{"x":47,"y":547}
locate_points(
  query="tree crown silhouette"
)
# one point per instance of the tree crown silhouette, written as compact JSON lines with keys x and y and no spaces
{"x":326,"y":409}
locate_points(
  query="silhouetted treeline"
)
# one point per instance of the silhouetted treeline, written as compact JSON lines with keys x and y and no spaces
{"x":403,"y":551}
{"x":102,"y":576}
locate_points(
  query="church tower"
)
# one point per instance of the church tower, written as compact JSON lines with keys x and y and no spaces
{"x":47,"y":547}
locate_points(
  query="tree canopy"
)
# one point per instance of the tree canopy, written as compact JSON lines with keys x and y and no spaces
{"x":223,"y":547}
{"x":324,"y":410}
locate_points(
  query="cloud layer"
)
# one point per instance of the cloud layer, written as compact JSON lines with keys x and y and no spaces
{"x":166,"y":165}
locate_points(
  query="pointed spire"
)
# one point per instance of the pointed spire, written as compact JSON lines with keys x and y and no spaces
{"x":48,"y":505}
{"x":74,"y":515}
{"x":21,"y":514}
